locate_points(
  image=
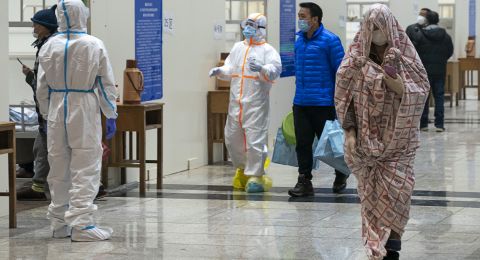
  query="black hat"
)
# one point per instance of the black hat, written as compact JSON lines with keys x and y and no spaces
{"x":432,"y":17}
{"x":46,"y":18}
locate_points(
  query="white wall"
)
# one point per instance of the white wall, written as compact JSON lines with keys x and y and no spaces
{"x":407,"y":11}
{"x":188,"y":55}
{"x":4,"y":101}
{"x":461,"y":28}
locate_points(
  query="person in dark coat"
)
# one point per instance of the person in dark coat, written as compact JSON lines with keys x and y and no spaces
{"x":435,"y":47}
{"x":414,"y":30}
{"x":44,"y":26}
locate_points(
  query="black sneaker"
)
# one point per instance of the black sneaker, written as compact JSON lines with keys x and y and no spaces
{"x":102,"y":192}
{"x":392,"y":255}
{"x":28,"y":194}
{"x":340,"y":183}
{"x":303,"y":188}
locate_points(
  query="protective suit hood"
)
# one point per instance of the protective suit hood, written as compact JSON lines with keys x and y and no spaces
{"x":72,"y":16}
{"x":261,"y":21}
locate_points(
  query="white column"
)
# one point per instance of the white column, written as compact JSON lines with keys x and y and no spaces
{"x":4,"y":103}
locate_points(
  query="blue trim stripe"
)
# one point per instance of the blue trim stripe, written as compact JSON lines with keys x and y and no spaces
{"x":105,"y":93}
{"x":65,"y":67}
{"x":66,"y":15}
{"x":88,"y":227}
{"x":71,"y":90}
{"x":71,"y":32}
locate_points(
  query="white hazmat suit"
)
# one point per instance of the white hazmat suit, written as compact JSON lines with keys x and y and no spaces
{"x":75,"y":84}
{"x":247,"y":122}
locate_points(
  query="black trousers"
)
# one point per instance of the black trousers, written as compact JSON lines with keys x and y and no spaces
{"x":309,"y":122}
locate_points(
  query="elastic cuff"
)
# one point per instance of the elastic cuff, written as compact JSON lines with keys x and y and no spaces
{"x":38,"y":187}
{"x":393,"y":245}
{"x":307,"y":176}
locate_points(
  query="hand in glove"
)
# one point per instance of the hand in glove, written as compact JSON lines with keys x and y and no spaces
{"x":214,"y":72}
{"x":26,"y":70}
{"x":395,"y":85}
{"x":111,"y":128}
{"x":255,"y":66}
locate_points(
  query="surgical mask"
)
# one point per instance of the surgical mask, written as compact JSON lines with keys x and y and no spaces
{"x":249,"y":32}
{"x":379,"y":38}
{"x":303,"y":25}
{"x":421,"y":20}
{"x":35,"y":35}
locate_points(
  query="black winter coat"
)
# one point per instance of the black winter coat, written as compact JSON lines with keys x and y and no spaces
{"x":435,"y":47}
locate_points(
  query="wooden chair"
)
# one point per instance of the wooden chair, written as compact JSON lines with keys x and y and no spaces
{"x":451,"y":88}
{"x":217,"y":111}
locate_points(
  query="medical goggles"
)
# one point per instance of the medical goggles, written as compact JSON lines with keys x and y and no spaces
{"x":252,"y":23}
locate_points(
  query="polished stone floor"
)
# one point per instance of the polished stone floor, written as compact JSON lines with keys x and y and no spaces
{"x":198,"y":216}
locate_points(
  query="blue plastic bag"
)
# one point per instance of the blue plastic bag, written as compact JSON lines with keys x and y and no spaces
{"x":330,"y":147}
{"x":335,"y":136}
{"x":284,"y":153}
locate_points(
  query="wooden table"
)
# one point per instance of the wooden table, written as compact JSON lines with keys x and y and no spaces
{"x":7,"y":146}
{"x":217,"y":111}
{"x":136,"y":118}
{"x":468,"y":65}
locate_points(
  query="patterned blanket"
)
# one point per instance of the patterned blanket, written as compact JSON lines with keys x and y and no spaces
{"x":387,"y":127}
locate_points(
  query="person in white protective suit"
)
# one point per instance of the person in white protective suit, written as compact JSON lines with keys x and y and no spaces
{"x":75,"y":82}
{"x":252,"y":66}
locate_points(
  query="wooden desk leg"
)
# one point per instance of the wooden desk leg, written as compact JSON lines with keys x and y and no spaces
{"x":141,"y":158}
{"x":478,"y":84}
{"x":210,"y":150}
{"x":160,"y":158}
{"x":13,"y":191}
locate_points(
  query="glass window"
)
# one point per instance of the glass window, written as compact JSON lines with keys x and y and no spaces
{"x":446,"y":11}
{"x":235,"y":12}
{"x":20,"y":11}
{"x":239,"y":10}
{"x":353,"y":11}
{"x":256,"y":7}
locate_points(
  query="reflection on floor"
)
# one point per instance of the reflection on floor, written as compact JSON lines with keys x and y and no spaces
{"x":198,"y":216}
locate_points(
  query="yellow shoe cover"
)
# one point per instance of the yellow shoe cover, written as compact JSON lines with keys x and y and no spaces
{"x":267,"y":163}
{"x":240,"y":179}
{"x":258,"y":184}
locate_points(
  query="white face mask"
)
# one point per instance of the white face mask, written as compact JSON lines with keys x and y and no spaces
{"x":421,"y":20}
{"x":378,"y":38}
{"x":35,"y":35}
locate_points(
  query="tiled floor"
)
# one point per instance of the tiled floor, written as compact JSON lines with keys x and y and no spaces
{"x":198,"y":216}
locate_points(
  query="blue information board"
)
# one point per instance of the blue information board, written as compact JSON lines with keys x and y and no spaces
{"x":472,"y":30}
{"x":287,"y":37}
{"x":148,"y":46}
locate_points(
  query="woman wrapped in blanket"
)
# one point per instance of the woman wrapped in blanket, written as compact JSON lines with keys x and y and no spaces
{"x":381,"y":88}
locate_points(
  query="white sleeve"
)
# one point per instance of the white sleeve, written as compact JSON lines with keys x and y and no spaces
{"x":107,"y":92}
{"x":42,"y":92}
{"x":227,"y":69}
{"x":273,"y":65}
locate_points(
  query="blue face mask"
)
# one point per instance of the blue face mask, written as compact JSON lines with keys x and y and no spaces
{"x":303,"y":25}
{"x":249,"y":32}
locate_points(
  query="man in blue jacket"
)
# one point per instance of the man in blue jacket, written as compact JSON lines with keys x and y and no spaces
{"x":318,"y":54}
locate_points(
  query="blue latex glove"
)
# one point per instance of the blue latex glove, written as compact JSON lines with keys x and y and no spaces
{"x":214,"y":72}
{"x":111,"y":128}
{"x":255,"y":66}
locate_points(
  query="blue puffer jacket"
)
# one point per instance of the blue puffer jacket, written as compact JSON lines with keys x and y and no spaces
{"x":316,"y":63}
